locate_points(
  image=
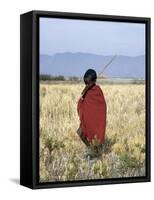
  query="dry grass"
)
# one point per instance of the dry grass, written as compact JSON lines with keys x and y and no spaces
{"x":61,"y":150}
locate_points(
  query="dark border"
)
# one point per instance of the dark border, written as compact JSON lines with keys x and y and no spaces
{"x":26,"y":157}
{"x":35,"y":98}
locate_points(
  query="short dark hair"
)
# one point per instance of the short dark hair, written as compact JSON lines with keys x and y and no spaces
{"x":90,"y":76}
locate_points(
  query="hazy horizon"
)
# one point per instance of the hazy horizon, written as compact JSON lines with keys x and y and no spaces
{"x":69,"y":52}
{"x":71,"y":46}
{"x":75,"y":64}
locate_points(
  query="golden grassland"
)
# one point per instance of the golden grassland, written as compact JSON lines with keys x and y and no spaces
{"x":61,"y":150}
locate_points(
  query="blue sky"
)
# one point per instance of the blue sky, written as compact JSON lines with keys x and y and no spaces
{"x":105,"y":38}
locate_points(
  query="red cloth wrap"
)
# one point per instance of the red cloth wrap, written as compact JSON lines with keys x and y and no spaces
{"x":92,"y":114}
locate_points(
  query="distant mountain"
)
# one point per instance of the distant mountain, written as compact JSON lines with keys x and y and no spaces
{"x":75,"y":64}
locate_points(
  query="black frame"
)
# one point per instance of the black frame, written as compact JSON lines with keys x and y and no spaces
{"x":29,"y":99}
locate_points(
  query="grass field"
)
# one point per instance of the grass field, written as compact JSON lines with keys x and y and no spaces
{"x":61,"y":150}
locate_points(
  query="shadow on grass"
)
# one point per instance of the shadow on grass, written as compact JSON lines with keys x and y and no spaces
{"x":109,"y":142}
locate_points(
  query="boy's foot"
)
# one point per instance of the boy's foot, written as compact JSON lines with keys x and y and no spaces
{"x":91,"y":156}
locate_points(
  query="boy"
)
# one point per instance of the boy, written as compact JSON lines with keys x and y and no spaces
{"x":91,"y":109}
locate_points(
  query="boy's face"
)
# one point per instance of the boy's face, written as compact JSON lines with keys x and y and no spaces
{"x":87,"y":81}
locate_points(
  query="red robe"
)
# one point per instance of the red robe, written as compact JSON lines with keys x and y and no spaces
{"x":92,"y":114}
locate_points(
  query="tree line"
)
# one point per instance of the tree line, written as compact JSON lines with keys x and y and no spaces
{"x":46,"y":77}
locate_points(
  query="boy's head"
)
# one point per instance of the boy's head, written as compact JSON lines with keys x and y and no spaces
{"x":90,"y":76}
